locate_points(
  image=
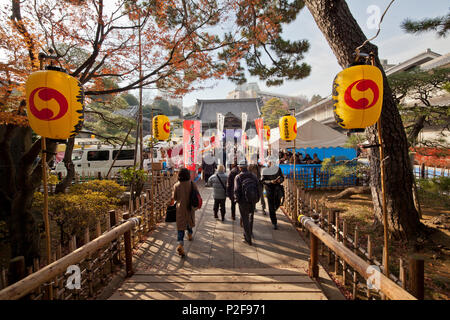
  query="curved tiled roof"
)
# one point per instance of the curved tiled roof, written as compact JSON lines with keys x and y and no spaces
{"x":207,"y":109}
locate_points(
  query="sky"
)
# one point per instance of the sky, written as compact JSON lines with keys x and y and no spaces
{"x":393,"y":44}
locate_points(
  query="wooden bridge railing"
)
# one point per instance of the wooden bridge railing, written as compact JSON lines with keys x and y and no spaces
{"x":100,"y":256}
{"x":343,"y":250}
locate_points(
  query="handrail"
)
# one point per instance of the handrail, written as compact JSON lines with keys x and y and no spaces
{"x":386,"y":285}
{"x":28,"y":284}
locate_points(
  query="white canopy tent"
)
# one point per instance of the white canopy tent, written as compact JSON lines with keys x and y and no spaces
{"x":311,"y":134}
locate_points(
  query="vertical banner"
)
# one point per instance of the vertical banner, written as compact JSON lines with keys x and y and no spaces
{"x":191,"y":142}
{"x":259,"y":124}
{"x":220,"y":124}
{"x":243,"y":136}
{"x":244,"y":121}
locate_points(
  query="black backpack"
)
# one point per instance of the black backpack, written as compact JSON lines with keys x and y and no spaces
{"x":195,"y":198}
{"x":250,"y":190}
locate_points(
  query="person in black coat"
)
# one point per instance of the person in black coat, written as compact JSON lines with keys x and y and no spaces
{"x":230,"y":188}
{"x":272,"y":178}
{"x":246,"y":179}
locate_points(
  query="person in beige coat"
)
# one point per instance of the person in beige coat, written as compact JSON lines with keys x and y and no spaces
{"x":185,"y":214}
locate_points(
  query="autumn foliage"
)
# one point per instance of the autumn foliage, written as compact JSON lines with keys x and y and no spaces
{"x":182,"y":44}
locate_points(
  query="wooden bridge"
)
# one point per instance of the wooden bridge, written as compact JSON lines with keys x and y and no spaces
{"x":218,"y":265}
{"x":133,"y":256}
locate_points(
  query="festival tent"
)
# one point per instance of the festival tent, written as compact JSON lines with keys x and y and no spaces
{"x":311,"y":134}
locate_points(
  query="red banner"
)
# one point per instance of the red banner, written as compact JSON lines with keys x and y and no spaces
{"x":259,"y":124}
{"x":191,"y":142}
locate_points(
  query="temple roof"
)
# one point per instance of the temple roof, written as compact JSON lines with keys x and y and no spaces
{"x":206,"y":110}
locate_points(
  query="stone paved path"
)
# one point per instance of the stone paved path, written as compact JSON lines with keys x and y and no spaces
{"x":218,"y":265}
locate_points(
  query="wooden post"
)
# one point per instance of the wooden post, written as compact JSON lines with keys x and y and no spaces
{"x":113,"y":223}
{"x":313,"y":260}
{"x":369,"y":247}
{"x":344,"y":241}
{"x":150,"y":220}
{"x":336,"y":258}
{"x":330,"y":224}
{"x":422,"y":170}
{"x":369,"y":256}
{"x":46,"y":221}
{"x":16,"y":270}
{"x":355,"y":274}
{"x":144,"y":202}
{"x":402,"y":273}
{"x":416,"y":275}
{"x":98,"y":229}
{"x":128,"y":249}
{"x":4,"y":279}
{"x":322,"y":226}
{"x":89,"y":265}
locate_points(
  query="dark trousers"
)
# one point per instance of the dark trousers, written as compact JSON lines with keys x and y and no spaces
{"x":219,"y":203}
{"x":263,"y":202}
{"x":247,"y":211}
{"x":233,"y":209}
{"x":206,"y":176}
{"x":273,"y":206}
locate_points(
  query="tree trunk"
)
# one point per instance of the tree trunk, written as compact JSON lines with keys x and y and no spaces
{"x":344,"y":35}
{"x":416,"y":128}
{"x":62,"y":186}
{"x":21,"y":176}
{"x":347,"y":193}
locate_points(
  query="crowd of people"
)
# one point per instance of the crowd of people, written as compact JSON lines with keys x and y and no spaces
{"x":244,"y":186}
{"x":287,"y":157}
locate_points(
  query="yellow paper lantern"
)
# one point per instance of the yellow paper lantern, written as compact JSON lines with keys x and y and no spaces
{"x":267,"y":132}
{"x":54,"y":104}
{"x":288,"y":128}
{"x":358,"y":96}
{"x":161,"y":127}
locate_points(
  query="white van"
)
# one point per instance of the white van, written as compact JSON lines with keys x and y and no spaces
{"x":91,"y":161}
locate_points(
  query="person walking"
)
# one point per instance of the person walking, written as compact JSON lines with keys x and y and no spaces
{"x":255,"y":168}
{"x":209,"y":165}
{"x":218,"y":181}
{"x":272,"y":178}
{"x":246,"y":194}
{"x":230,"y":188}
{"x":185,"y":214}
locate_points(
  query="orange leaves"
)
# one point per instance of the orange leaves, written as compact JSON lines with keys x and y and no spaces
{"x":14,"y":119}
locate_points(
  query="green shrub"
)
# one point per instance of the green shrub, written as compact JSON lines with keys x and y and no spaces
{"x":434,"y":185}
{"x":343,"y":169}
{"x":73,"y":213}
{"x":128,"y":174}
{"x":434,"y":192}
{"x":109,"y":188}
{"x":82,"y":207}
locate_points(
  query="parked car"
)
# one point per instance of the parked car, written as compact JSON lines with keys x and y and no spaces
{"x":90,"y":161}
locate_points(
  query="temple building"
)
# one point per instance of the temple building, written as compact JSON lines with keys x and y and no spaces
{"x":232,"y":109}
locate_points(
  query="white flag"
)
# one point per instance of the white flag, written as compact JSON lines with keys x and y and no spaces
{"x":220,"y":124}
{"x":244,"y":121}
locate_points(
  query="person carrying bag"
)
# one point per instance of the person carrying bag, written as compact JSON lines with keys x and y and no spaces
{"x":219,"y":191}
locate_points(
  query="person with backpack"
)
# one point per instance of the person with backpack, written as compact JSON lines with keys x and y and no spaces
{"x":246,"y":194}
{"x":255,"y":168}
{"x":218,"y":181}
{"x":230,"y":188}
{"x":272,"y":178}
{"x":185,"y":217}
